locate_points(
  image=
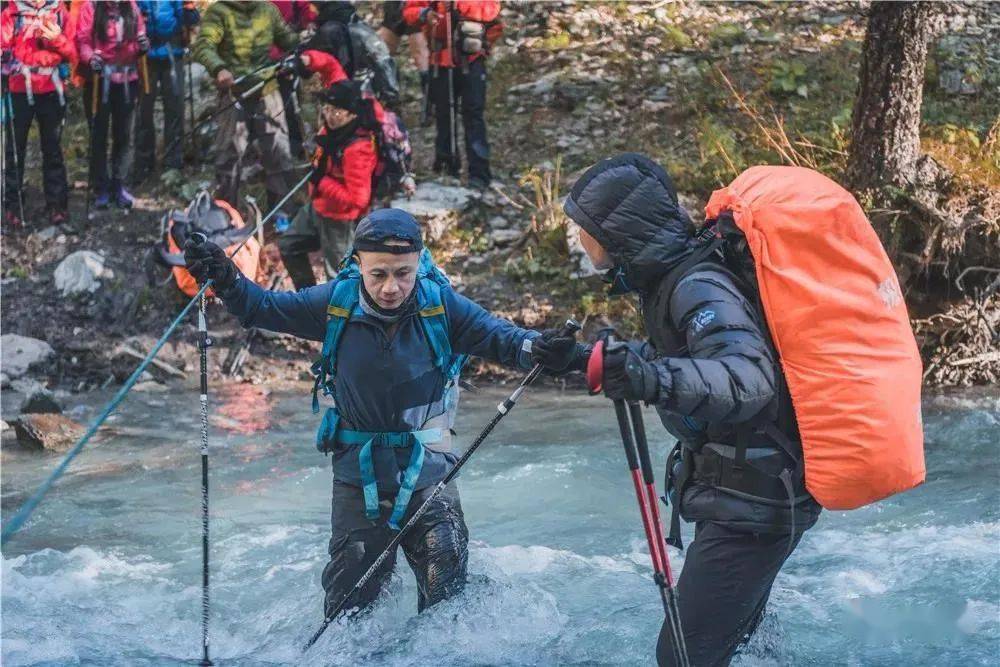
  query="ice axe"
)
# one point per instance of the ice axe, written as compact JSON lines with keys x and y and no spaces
{"x":640,"y":466}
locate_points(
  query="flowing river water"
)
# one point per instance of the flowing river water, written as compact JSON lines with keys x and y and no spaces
{"x":108,"y":571}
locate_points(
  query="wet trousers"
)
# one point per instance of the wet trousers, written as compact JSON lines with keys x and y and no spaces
{"x":437,"y":547}
{"x":166,"y":82}
{"x":260,"y":121}
{"x":469,"y":95}
{"x":114,"y":115}
{"x":722,"y":591}
{"x":49,"y":114}
{"x":309,"y":232}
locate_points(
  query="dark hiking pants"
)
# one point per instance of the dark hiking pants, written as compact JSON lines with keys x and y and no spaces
{"x":50,"y":114}
{"x":470,"y":102}
{"x":115,"y":115}
{"x":166,"y":82}
{"x":722,"y":591}
{"x":437,"y":547}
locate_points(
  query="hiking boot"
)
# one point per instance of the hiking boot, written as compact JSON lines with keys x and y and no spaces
{"x":123,"y":198}
{"x":102,"y":201}
{"x":59,"y":217}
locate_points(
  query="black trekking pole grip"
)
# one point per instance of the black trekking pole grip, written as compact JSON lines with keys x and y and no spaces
{"x":568,"y":329}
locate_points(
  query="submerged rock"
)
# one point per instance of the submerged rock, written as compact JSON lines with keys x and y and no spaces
{"x":51,"y":432}
{"x":19,"y":353}
{"x":80,"y":272}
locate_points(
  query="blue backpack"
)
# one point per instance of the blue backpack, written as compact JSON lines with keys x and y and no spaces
{"x":345,"y":304}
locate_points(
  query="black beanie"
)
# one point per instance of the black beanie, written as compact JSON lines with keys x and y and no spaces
{"x":344,"y":94}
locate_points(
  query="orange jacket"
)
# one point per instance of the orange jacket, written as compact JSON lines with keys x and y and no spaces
{"x":481,"y":11}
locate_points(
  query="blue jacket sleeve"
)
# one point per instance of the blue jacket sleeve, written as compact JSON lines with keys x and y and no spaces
{"x":301,"y":313}
{"x":479,"y":333}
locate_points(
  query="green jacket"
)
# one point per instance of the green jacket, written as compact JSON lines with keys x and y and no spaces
{"x":237,"y":35}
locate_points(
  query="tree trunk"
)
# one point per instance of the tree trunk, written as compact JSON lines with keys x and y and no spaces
{"x":885,"y":122}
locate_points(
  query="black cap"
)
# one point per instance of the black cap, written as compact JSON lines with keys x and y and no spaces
{"x":344,"y":94}
{"x":388,"y":224}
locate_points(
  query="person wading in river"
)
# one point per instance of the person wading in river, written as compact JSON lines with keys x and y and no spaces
{"x":708,"y":369}
{"x":395,"y":337}
{"x":785,"y":291}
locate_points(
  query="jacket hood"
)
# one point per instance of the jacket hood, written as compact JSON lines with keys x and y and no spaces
{"x":629,"y":205}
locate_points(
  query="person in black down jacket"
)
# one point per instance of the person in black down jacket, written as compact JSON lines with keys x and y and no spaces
{"x":710,"y":371}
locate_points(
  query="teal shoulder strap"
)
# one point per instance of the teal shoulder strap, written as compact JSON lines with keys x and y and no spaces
{"x":343,"y":301}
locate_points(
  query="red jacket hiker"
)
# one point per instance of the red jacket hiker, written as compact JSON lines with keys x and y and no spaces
{"x":344,"y":190}
{"x":479,"y":11}
{"x":27,"y":53}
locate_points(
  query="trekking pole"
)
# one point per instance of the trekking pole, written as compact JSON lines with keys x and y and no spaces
{"x":569,"y":329}
{"x":9,"y":113}
{"x":190,"y":85}
{"x":144,"y":70}
{"x":24,"y":513}
{"x":641,"y":469}
{"x":663,"y":577}
{"x":452,"y":129}
{"x":94,"y":97}
{"x":204,"y":342}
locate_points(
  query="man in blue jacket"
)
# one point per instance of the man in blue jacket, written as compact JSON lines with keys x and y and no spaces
{"x":167,"y":22}
{"x":394,"y":337}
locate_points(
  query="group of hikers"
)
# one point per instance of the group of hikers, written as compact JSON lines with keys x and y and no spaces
{"x":132,"y":53}
{"x":779,"y":354}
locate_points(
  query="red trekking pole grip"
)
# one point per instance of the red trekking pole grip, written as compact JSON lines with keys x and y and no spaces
{"x":595,"y":368}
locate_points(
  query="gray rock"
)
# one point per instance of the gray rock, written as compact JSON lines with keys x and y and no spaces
{"x":436,"y":206}
{"x":19,"y":353}
{"x":505,"y":236}
{"x":81,"y":271}
{"x":41,"y":401}
{"x":498,"y":222}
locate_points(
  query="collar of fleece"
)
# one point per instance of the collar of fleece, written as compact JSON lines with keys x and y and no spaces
{"x":629,"y":205}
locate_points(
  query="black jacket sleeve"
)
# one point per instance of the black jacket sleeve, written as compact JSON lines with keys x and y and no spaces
{"x":728,"y":375}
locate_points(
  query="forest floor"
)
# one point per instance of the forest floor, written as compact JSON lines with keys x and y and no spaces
{"x":706,"y":89}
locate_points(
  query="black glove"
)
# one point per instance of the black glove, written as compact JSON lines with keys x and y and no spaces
{"x":627,"y":376}
{"x":144,"y":44}
{"x":96,"y":63}
{"x":292,"y":65}
{"x":207,"y":261}
{"x":559,"y":353}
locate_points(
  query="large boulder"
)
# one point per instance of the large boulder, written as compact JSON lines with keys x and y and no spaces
{"x":81,"y":271}
{"x":19,"y":353}
{"x":436,"y":206}
{"x":51,"y":432}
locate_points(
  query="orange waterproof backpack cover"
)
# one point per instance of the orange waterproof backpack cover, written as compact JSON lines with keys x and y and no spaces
{"x":837,"y":318}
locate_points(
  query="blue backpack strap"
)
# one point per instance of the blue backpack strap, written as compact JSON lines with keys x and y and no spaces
{"x":343,"y":301}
